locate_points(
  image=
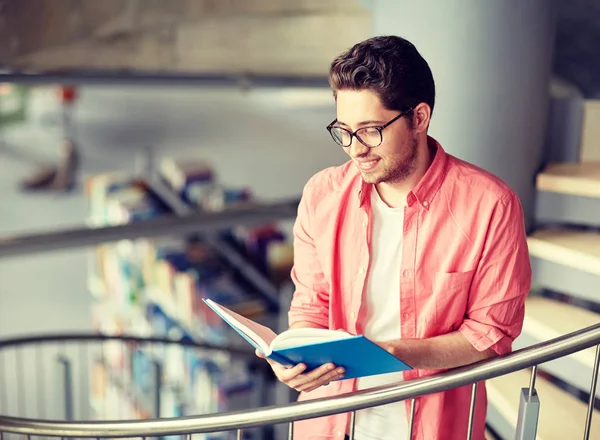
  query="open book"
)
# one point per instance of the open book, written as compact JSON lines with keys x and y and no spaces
{"x":314,"y":347}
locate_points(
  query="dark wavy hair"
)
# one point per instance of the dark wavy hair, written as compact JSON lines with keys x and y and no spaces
{"x":391,"y":67}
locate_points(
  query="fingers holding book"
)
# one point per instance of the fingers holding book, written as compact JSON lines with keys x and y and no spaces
{"x":307,"y":382}
{"x":318,"y":377}
{"x":295,"y":378}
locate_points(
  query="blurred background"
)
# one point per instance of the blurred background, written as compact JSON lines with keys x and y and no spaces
{"x":119,"y":112}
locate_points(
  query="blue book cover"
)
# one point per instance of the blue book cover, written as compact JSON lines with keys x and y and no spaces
{"x":358,"y":355}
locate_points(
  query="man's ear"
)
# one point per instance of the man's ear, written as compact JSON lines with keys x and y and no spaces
{"x":421,"y":117}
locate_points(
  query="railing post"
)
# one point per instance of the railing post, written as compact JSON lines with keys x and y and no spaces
{"x":67,"y":378}
{"x":3,"y":385}
{"x":411,"y":419}
{"x":40,"y":382}
{"x":590,"y":411}
{"x":529,"y":410}
{"x":20,"y":383}
{"x":352,"y":425}
{"x":472,"y":411}
{"x":157,"y":370}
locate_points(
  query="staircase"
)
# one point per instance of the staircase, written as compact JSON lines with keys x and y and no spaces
{"x":565,"y":257}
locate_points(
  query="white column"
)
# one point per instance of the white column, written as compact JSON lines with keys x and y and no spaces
{"x":491,"y":61}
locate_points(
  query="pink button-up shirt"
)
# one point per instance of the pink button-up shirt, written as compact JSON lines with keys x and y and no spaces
{"x":465,"y":267}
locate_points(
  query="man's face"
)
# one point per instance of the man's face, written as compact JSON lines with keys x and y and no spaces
{"x":394,"y":159}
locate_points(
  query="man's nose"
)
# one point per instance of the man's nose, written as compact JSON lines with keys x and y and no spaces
{"x":356,"y":148}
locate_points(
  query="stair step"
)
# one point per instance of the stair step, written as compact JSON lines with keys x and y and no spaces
{"x":546,"y":318}
{"x":582,"y":179}
{"x":566,"y":209}
{"x":561,"y":417}
{"x":577,"y":249}
{"x":566,"y":280}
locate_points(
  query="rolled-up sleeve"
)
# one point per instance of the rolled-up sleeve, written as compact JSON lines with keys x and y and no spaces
{"x":496,"y":306}
{"x":311,"y":297}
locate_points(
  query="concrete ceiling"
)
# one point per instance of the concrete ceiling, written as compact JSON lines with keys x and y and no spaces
{"x":274,"y":37}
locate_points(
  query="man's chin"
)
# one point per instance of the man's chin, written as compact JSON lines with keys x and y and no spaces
{"x":371,"y":178}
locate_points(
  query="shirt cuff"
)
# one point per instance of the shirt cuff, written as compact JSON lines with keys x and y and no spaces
{"x":483,"y":336}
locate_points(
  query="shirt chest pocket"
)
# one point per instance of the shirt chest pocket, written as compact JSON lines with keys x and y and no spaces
{"x":450,"y":294}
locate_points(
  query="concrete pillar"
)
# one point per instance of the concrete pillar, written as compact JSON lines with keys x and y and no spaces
{"x":491,"y":61}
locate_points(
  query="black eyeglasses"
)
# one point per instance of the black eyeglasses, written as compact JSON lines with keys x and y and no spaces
{"x":370,"y":137}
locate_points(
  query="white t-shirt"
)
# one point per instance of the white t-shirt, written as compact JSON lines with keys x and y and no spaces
{"x":382,"y":301}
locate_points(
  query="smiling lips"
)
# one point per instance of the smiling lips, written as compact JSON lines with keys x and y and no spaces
{"x":366,"y":165}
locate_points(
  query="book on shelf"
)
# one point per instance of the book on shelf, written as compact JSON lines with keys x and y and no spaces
{"x":156,"y":287}
{"x":314,"y":347}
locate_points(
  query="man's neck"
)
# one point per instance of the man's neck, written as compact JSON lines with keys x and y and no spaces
{"x":394,"y":194}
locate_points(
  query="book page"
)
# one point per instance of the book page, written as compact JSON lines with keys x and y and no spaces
{"x":261,"y":335}
{"x":306,"y":336}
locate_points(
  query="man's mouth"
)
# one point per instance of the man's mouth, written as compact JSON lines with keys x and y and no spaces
{"x":366,"y":165}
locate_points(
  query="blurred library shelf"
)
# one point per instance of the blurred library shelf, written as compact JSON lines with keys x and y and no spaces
{"x":153,"y":287}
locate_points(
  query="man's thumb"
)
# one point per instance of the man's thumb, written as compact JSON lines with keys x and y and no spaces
{"x":259,"y":353}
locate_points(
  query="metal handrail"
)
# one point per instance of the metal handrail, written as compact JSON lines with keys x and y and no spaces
{"x":79,"y":337}
{"x":164,"y":226}
{"x":484,"y":370}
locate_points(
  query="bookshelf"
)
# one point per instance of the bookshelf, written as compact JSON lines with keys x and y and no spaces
{"x":154,"y":288}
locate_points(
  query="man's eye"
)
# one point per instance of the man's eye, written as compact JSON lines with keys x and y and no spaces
{"x":370,"y":131}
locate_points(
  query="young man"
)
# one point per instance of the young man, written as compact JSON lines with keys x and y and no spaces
{"x":423,"y":253}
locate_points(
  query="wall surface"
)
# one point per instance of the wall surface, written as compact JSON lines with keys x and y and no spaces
{"x":491,"y":62}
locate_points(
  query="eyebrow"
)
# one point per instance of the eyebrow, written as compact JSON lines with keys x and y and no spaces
{"x":361,"y":124}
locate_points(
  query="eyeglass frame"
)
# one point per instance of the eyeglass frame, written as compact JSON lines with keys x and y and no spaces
{"x":379,"y":128}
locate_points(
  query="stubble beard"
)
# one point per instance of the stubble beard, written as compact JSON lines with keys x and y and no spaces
{"x":399,"y":170}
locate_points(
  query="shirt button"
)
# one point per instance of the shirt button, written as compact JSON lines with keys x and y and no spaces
{"x":361,"y":271}
{"x":405,"y":273}
{"x":425,"y":203}
{"x":353,"y":315}
{"x":339,"y":433}
{"x":406,"y":316}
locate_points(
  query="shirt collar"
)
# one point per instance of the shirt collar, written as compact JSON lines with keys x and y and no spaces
{"x":430,"y":183}
{"x":364,"y":192}
{"x":425,"y":191}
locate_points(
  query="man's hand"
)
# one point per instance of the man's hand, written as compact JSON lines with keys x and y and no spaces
{"x":438,"y":353}
{"x":294,"y":377}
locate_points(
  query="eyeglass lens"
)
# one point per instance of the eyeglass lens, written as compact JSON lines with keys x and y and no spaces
{"x":369,"y":136}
